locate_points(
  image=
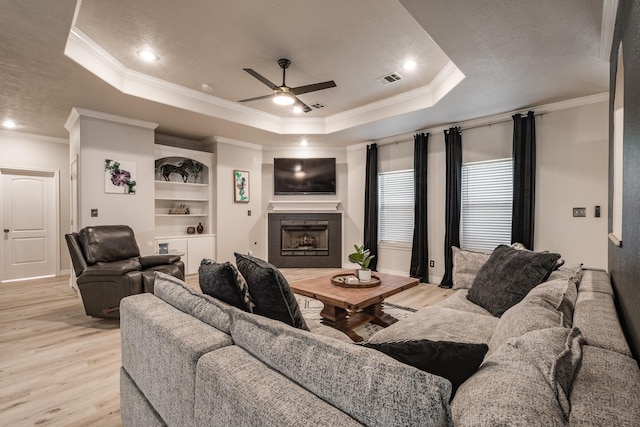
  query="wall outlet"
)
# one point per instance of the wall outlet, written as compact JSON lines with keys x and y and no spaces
{"x":94,"y":213}
{"x":432,"y":263}
{"x":579,"y":212}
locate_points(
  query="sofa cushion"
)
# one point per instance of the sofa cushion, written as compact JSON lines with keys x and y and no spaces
{"x":567,"y":271}
{"x":270,"y":291}
{"x":538,"y":310}
{"x":224,"y":281}
{"x":597,"y":318}
{"x":466,"y":265}
{"x":525,"y":382}
{"x":233,"y":388}
{"x":459,"y":301}
{"x":371,"y":387}
{"x":508,"y":276}
{"x":451,"y":360}
{"x":596,"y":281}
{"x":440,"y":324}
{"x":605,"y":390}
{"x":203,"y":307}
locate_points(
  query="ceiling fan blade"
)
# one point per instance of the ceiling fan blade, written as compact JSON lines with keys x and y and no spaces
{"x":312,"y":88}
{"x":256,"y":98}
{"x":302,"y":105}
{"x":261,"y":78}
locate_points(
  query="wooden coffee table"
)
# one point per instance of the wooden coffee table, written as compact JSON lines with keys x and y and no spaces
{"x":348,"y":308}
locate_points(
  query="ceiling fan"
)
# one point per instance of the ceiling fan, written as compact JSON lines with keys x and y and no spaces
{"x":283,"y":94}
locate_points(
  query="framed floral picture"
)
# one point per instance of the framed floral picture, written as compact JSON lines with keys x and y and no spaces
{"x":119,"y":177}
{"x":240,"y":186}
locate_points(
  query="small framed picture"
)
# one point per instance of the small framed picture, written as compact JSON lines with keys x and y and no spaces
{"x":240,"y":186}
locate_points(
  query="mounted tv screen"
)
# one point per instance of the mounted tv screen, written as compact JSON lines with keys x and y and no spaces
{"x":304,"y":176}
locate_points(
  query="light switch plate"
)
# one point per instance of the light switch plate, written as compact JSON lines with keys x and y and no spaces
{"x":579,"y":212}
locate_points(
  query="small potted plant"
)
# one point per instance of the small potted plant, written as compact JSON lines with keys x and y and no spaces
{"x":363,"y":258}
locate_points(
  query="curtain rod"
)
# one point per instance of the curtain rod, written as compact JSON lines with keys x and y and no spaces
{"x":408,"y":136}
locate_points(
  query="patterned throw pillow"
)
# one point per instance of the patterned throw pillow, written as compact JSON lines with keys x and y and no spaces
{"x":270,"y":291}
{"x":508,"y":275}
{"x":224,"y":282}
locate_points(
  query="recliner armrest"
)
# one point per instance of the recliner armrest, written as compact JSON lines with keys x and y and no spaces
{"x":156,"y":260}
{"x":116,"y":268}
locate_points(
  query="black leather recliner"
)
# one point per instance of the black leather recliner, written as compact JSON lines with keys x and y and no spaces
{"x":108,"y":267}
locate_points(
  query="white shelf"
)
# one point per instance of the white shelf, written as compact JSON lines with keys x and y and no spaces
{"x":182,"y":216}
{"x":181,"y":199}
{"x":180,"y":184}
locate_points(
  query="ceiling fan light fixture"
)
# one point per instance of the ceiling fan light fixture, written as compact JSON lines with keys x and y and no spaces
{"x":283,"y":98}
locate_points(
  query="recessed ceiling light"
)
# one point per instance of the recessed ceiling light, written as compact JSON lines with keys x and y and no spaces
{"x":148,"y":55}
{"x":297,"y":109}
{"x":409,"y":65}
{"x":9,"y":124}
{"x":207,"y":87}
{"x":304,"y":142}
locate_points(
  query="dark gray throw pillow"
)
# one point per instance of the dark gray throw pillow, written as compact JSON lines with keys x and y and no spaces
{"x":451,"y":360}
{"x":224,"y":282}
{"x":270,"y":291}
{"x":508,"y":275}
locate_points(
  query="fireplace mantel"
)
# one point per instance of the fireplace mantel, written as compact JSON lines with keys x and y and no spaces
{"x":303,"y":205}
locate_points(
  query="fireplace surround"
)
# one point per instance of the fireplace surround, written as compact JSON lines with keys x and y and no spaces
{"x":305,"y":240}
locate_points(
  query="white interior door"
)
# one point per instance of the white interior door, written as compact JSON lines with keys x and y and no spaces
{"x":29,"y":224}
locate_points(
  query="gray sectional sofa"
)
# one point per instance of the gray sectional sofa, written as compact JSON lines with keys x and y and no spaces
{"x":558,"y":357}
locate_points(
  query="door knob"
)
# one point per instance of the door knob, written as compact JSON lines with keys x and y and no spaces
{"x":6,"y":230}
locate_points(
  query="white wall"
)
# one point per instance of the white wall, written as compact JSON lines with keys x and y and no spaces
{"x":108,"y":137}
{"x":572,"y":159}
{"x":39,"y":152}
{"x":236,"y":231}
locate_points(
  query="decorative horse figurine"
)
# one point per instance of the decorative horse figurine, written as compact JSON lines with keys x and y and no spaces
{"x":182,"y":168}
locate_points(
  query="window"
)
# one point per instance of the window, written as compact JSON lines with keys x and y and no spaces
{"x":487,"y":203}
{"x":395,"y":214}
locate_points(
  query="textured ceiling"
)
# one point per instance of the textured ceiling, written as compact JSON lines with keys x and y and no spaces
{"x":514,"y":54}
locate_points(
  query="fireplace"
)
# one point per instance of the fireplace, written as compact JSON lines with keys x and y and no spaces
{"x":305,"y":239}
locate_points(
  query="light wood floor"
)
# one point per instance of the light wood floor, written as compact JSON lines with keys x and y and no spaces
{"x":59,"y":367}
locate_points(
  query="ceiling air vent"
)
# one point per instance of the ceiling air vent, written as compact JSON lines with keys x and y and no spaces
{"x":317,"y":105}
{"x":389,"y":78}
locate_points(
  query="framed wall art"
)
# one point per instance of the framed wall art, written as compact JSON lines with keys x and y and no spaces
{"x":119,"y":177}
{"x":240,"y":186}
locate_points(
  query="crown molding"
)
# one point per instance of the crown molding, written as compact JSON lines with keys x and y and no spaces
{"x":90,"y":55}
{"x":76,"y":113}
{"x":32,"y":136}
{"x":230,"y":141}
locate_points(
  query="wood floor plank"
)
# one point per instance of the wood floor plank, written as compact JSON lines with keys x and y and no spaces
{"x":59,"y":367}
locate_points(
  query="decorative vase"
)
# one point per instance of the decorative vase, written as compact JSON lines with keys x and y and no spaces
{"x":364,"y":275}
{"x":191,"y":230}
{"x":200,"y":228}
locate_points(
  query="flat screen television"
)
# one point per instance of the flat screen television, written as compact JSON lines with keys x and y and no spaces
{"x":304,"y":176}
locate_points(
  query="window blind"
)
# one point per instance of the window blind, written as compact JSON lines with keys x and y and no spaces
{"x":395,"y":203}
{"x":487,"y":203}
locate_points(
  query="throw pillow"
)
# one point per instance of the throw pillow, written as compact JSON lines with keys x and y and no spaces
{"x":270,"y":291}
{"x":224,"y":281}
{"x":451,"y":360}
{"x":466,"y":265}
{"x":526,"y":381}
{"x":508,"y":275}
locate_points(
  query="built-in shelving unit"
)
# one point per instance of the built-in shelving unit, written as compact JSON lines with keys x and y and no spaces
{"x":183,"y":202}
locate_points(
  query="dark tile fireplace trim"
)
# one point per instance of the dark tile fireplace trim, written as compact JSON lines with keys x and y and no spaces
{"x":321,"y":259}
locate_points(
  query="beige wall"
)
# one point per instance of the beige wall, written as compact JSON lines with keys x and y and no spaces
{"x":37,"y":152}
{"x":236,"y":231}
{"x":101,"y":139}
{"x":572,"y":161}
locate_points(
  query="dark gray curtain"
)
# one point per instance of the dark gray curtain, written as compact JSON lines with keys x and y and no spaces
{"x":371,"y":204}
{"x":419,"y":251}
{"x":524,"y":179}
{"x":453,"y":150}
